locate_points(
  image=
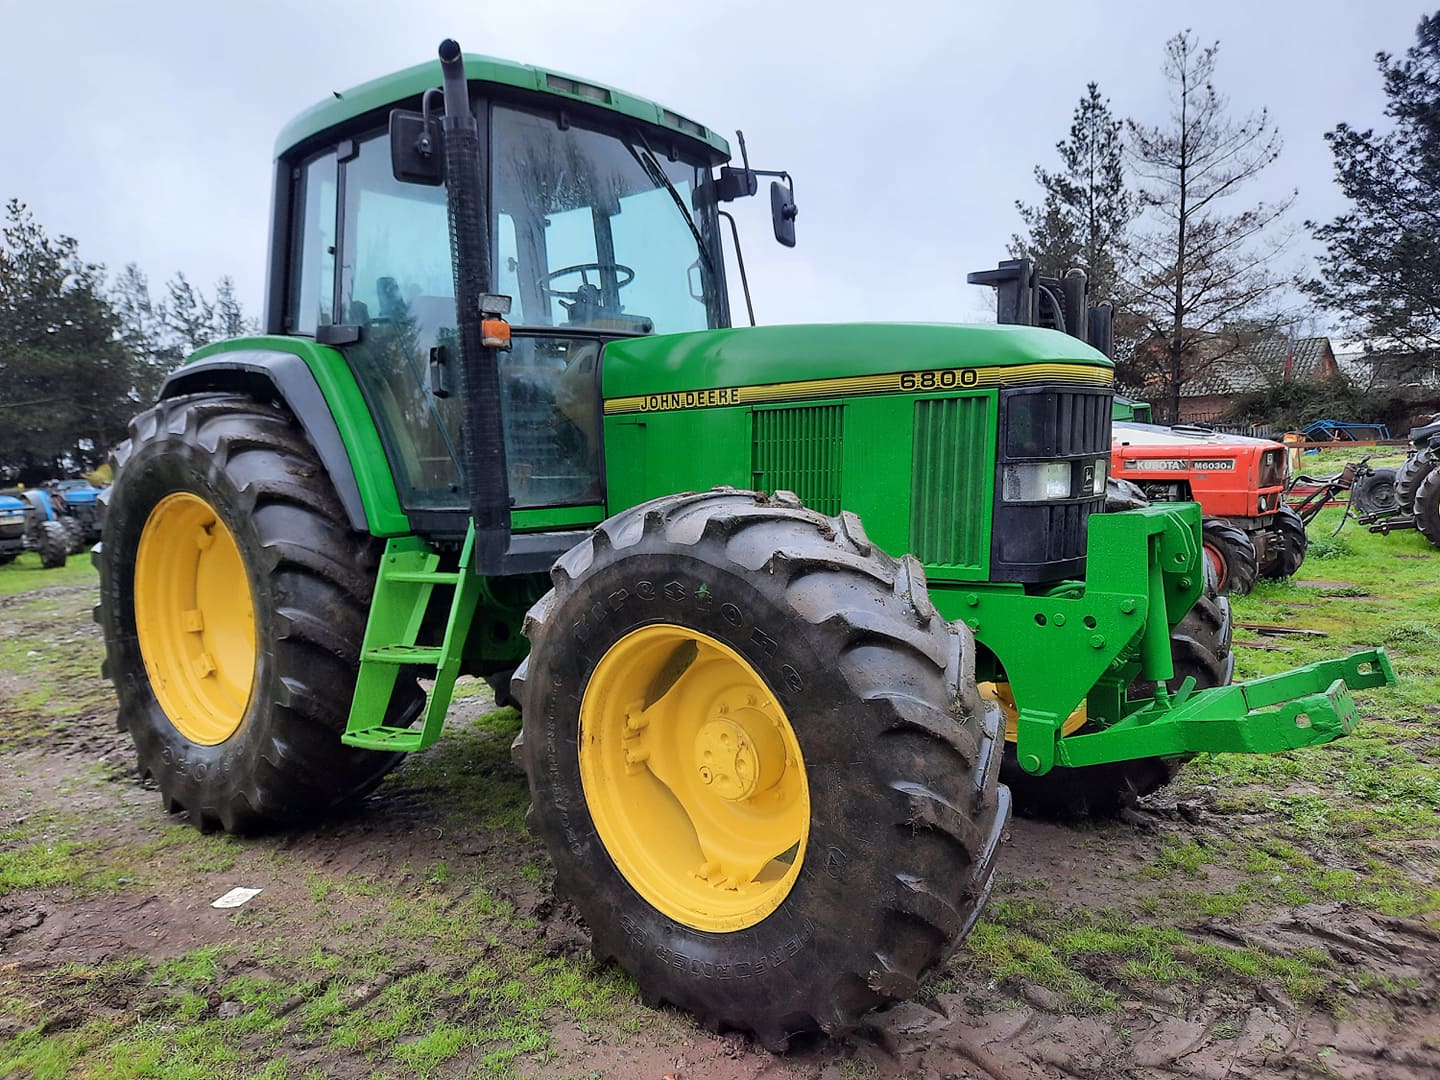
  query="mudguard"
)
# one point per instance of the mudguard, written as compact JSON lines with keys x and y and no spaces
{"x":284,"y":375}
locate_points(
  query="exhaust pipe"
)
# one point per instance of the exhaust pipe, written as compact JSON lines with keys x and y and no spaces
{"x":486,"y":475}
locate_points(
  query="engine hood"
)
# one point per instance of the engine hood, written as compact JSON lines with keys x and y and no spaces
{"x":836,"y":359}
{"x":1139,"y":436}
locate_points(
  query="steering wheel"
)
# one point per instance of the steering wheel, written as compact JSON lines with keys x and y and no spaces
{"x":584,"y":269}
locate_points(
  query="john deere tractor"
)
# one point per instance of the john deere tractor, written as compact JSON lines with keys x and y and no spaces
{"x":500,"y":424}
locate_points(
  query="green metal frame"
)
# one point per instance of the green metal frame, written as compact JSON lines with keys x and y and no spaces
{"x":1078,"y":641}
{"x":1304,"y":707}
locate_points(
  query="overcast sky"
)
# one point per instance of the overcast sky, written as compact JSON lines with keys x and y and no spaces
{"x":145,"y":129}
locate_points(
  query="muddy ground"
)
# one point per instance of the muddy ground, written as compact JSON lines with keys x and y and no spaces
{"x":1270,"y":919}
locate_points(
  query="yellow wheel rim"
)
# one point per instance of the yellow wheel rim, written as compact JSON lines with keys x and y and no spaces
{"x":1002,"y":695}
{"x":195,"y":618}
{"x":694,"y":778}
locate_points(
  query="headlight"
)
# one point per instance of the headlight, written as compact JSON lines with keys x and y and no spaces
{"x":12,"y":519}
{"x":1046,"y":481}
{"x":1034,"y":482}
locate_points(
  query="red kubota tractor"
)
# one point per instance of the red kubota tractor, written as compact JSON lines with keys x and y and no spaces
{"x":1239,"y":482}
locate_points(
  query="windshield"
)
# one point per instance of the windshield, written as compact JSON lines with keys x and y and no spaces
{"x":588,"y":234}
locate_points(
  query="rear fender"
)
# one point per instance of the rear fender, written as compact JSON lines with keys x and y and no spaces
{"x":266,"y":375}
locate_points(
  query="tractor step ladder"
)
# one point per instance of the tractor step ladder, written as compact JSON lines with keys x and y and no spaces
{"x":403,"y":591}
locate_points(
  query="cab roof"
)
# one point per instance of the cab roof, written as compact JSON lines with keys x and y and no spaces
{"x":414,"y":81}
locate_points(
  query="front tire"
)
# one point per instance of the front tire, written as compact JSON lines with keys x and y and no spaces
{"x":1232,"y":556}
{"x":233,"y":600}
{"x":52,"y":544}
{"x":1410,"y":475}
{"x":1375,"y":492}
{"x":840,"y":844}
{"x":1286,"y":543}
{"x":74,"y":535}
{"x":1427,"y":507}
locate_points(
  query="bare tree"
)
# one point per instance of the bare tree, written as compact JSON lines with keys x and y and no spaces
{"x":1201,"y":282}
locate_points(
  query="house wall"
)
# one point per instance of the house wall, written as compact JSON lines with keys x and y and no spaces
{"x":1204,"y":408}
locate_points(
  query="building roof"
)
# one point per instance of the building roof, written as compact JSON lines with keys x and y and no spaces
{"x":1263,"y":364}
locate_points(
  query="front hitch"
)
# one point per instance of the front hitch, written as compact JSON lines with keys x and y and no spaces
{"x":1308,"y":706}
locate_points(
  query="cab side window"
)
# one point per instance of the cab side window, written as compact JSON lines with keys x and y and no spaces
{"x":312,"y":276}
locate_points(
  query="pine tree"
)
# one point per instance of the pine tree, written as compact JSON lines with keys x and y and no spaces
{"x":229,"y":320}
{"x":69,"y":376}
{"x":1087,"y":208}
{"x":142,"y":329}
{"x":1381,"y":268}
{"x":189,"y":318}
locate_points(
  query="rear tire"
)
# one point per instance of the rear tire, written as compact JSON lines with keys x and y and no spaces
{"x":1409,"y":476}
{"x":890,"y":743}
{"x":1375,"y":492}
{"x":53,"y":544}
{"x":1232,"y":556}
{"x":1427,"y":507}
{"x":274,"y":605}
{"x":74,"y":535}
{"x":1285,"y":545}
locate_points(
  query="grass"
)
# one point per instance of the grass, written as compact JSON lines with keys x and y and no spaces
{"x":26,"y":575}
{"x":205,"y":1012}
{"x":415,"y":966}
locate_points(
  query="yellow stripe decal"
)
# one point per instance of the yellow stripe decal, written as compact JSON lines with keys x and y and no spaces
{"x":895,"y":382}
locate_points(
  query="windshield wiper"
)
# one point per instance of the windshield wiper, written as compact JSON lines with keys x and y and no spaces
{"x":651,"y":165}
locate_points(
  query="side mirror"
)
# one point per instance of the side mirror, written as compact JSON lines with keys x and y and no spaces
{"x":415,"y":148}
{"x":782,"y":212}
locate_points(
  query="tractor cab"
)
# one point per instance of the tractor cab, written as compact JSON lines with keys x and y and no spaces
{"x":600,"y":224}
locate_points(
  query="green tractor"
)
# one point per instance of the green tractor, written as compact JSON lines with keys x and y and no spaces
{"x":500,"y":424}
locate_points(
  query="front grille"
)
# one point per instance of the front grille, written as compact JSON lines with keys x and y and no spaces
{"x":799,"y":450}
{"x":1058,"y":424}
{"x":948,"y":497}
{"x":1046,"y":541}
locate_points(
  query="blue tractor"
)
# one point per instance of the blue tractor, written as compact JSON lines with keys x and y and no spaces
{"x":12,"y":528}
{"x":42,"y":528}
{"x":77,"y":505}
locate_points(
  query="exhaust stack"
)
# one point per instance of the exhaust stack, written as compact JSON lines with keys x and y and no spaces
{"x":486,"y":475}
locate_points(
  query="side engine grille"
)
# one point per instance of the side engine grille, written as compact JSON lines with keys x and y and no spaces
{"x":948,"y":496}
{"x":799,"y":450}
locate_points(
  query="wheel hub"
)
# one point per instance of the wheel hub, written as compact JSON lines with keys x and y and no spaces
{"x":740,"y":757}
{"x":694,"y":778}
